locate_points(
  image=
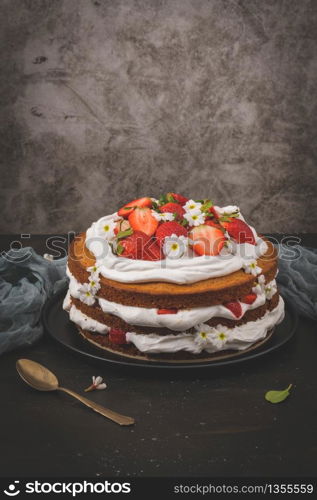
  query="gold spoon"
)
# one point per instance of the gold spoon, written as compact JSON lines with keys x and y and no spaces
{"x":42,"y":379}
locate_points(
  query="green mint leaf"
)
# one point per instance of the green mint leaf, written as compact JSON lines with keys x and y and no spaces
{"x":278,"y":396}
{"x":207,"y":204}
{"x":162,"y":200}
{"x":124,"y":234}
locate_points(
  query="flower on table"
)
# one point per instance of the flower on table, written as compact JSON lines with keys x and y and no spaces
{"x":175,"y":246}
{"x":97,"y":383}
{"x":86,"y":294}
{"x":252,"y":268}
{"x":163,"y":216}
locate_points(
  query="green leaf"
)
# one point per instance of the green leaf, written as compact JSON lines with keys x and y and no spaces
{"x":120,"y":249}
{"x":278,"y":396}
{"x":207,"y":204}
{"x":155,"y":205}
{"x":184,"y":222}
{"x":124,"y":234}
{"x":170,"y":198}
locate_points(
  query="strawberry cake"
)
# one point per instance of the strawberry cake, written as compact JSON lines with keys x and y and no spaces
{"x":173,"y":279}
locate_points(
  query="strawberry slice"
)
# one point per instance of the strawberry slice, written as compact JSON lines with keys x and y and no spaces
{"x":167,"y":229}
{"x":127,"y":209}
{"x":152,"y":251}
{"x":167,"y":311}
{"x":235,"y":308}
{"x":249,"y":299}
{"x":214,"y":212}
{"x":213,"y":223}
{"x":178,"y":197}
{"x":132,"y":246}
{"x":173,"y":208}
{"x":239,"y":231}
{"x":117,"y":336}
{"x":141,"y":219}
{"x":207,"y":240}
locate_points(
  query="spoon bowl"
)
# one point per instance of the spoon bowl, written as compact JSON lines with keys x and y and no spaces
{"x":42,"y":379}
{"x":36,"y":375}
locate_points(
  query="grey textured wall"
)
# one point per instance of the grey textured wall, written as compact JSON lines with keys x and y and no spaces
{"x":107,"y":100}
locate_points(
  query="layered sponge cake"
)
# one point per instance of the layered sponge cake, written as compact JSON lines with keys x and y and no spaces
{"x":173,"y":279}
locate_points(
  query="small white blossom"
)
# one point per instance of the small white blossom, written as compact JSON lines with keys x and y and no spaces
{"x":192,"y":206}
{"x":86,"y":295}
{"x":217,"y":337}
{"x":94,"y":270}
{"x":175,"y":246}
{"x":195,"y":219}
{"x":252,"y":268}
{"x":108,"y":229}
{"x":163,"y":216}
{"x":94,"y":284}
{"x":270,"y":291}
{"x":258,"y":287}
{"x":202,"y":335}
{"x":97,"y":383}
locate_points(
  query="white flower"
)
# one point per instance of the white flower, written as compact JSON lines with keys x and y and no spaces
{"x":217,"y":337}
{"x":108,"y":229}
{"x":164,"y":216}
{"x":97,"y":383}
{"x":175,"y":246}
{"x":270,"y":291}
{"x":93,"y":270}
{"x":258,"y":287}
{"x":86,"y":295}
{"x":252,"y":268}
{"x":192,"y":206}
{"x":94,"y":284}
{"x":202,"y":335}
{"x":195,"y":219}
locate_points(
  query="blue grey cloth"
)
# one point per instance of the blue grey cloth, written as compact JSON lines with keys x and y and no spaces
{"x":297,"y":278}
{"x":26,"y":281}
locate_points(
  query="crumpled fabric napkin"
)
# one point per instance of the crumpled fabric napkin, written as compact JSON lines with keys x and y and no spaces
{"x":297,"y":278}
{"x":26,"y":281}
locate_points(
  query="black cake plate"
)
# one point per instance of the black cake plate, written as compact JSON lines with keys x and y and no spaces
{"x":58,"y":325}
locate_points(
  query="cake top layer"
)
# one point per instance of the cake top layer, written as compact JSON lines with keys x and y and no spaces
{"x":173,"y":239}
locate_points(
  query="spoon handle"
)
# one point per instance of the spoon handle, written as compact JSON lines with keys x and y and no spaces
{"x":112,"y":415}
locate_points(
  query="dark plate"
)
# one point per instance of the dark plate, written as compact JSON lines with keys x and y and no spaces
{"x":58,"y":325}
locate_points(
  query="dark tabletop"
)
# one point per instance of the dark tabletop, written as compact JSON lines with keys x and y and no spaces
{"x":196,"y":423}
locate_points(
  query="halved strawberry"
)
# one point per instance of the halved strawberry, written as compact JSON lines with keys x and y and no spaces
{"x":122,"y":225}
{"x":213,"y":212}
{"x":213,"y":223}
{"x":167,"y":229}
{"x":132,"y":246}
{"x":141,"y":219}
{"x":239,"y":231}
{"x":167,"y":311}
{"x":207,"y":240}
{"x":126,"y":210}
{"x":178,"y":197}
{"x":173,"y":208}
{"x":249,"y":299}
{"x":152,"y":251}
{"x":117,"y":336}
{"x":235,"y":308}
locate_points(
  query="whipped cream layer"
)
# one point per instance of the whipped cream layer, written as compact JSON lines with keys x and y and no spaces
{"x":184,"y":319}
{"x":187,"y":269}
{"x":237,"y":338}
{"x":217,"y":339}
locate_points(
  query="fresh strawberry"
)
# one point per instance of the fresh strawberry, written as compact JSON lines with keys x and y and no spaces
{"x":117,"y":336}
{"x":235,"y":308}
{"x":122,"y":225}
{"x":152,"y":251}
{"x":132,"y":246}
{"x":173,"y":208}
{"x":167,"y":229}
{"x":207,"y":240}
{"x":249,"y":299}
{"x":239,"y":231}
{"x":213,"y":223}
{"x":177,"y":197}
{"x":126,"y":210}
{"x":214,"y":212}
{"x":167,"y":311}
{"x":141,"y":219}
